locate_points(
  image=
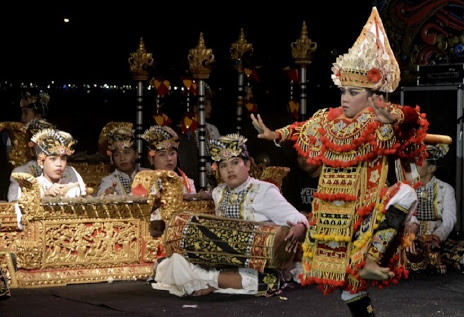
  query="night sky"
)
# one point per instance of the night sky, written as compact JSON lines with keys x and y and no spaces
{"x":96,"y":43}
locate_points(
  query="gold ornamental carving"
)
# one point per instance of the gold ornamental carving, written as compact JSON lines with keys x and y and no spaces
{"x":28,"y":254}
{"x":139,"y":62}
{"x":8,"y":269}
{"x":88,"y":239}
{"x":200,"y":59}
{"x":239,"y":49}
{"x":303,"y":48}
{"x":74,"y":243}
{"x":30,"y":194}
{"x":8,"y":221}
{"x":172,"y":190}
{"x":17,"y":133}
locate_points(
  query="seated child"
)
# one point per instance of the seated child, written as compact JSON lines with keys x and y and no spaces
{"x":240,"y":196}
{"x":32,"y":167}
{"x":122,"y":152}
{"x":52,"y":148}
{"x":163,"y":143}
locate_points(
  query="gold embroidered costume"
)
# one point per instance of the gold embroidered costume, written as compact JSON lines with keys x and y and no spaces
{"x":349,"y":216}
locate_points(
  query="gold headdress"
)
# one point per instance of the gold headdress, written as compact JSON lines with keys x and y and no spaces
{"x":370,"y":63}
{"x":35,"y":125}
{"x":161,"y":138}
{"x":53,"y":142}
{"x":36,"y":101}
{"x":228,"y":146}
{"x":436,"y":152}
{"x":116,"y":136}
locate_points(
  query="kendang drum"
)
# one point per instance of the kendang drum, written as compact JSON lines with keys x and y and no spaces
{"x":213,"y":241}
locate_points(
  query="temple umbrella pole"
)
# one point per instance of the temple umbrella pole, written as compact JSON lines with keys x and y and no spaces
{"x":237,"y":51}
{"x":302,"y":51}
{"x":200,"y":61}
{"x":139,"y":62}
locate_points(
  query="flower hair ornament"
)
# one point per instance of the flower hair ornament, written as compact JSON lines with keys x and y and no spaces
{"x":52,"y":142}
{"x":160,"y":138}
{"x":370,"y":62}
{"x":229,"y":146}
{"x":436,"y":152}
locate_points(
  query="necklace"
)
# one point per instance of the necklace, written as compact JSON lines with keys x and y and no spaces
{"x":232,"y":198}
{"x":424,"y":194}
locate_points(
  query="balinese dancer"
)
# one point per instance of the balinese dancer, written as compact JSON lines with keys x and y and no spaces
{"x":358,"y":211}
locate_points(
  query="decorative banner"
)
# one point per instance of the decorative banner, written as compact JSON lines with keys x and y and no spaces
{"x":293,"y":108}
{"x":251,"y":74}
{"x":189,"y":123}
{"x":249,"y":100}
{"x":293,"y":74}
{"x":161,"y":118}
{"x":250,"y":104}
{"x":161,"y":86}
{"x":191,"y":85}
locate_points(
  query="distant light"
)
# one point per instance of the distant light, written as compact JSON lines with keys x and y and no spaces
{"x":66,"y":20}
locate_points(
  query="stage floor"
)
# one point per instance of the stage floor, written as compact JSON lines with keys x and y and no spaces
{"x":420,"y":295}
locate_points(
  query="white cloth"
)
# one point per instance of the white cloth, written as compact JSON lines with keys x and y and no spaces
{"x":406,"y":198}
{"x":445,"y":209}
{"x":180,"y":277}
{"x":69,"y":175}
{"x":213,"y":131}
{"x":263,"y":203}
{"x":113,"y":178}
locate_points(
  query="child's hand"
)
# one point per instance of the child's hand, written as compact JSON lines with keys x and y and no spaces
{"x":54,"y":190}
{"x":111,"y":190}
{"x":296,"y":235}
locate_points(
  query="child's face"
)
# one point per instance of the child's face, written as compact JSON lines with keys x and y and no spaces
{"x":53,"y":167}
{"x":353,"y":100}
{"x":124,"y":160}
{"x":27,"y":114}
{"x":234,"y":172}
{"x":425,"y":169}
{"x":165,"y":159}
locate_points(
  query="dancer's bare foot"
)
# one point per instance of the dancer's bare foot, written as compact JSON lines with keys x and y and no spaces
{"x":372,"y":271}
{"x":204,"y":291}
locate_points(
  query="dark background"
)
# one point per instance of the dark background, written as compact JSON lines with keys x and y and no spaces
{"x":68,"y":59}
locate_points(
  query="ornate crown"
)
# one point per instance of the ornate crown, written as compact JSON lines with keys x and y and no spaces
{"x":370,"y":63}
{"x":228,"y":146}
{"x":117,"y":136}
{"x":436,"y":152}
{"x":54,"y":142}
{"x":161,"y":137}
{"x":35,"y":125}
{"x":36,"y":101}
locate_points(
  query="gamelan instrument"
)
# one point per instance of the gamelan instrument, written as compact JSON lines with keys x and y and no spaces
{"x":213,"y":241}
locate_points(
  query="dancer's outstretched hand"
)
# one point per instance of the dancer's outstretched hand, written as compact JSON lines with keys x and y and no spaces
{"x":264,"y":132}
